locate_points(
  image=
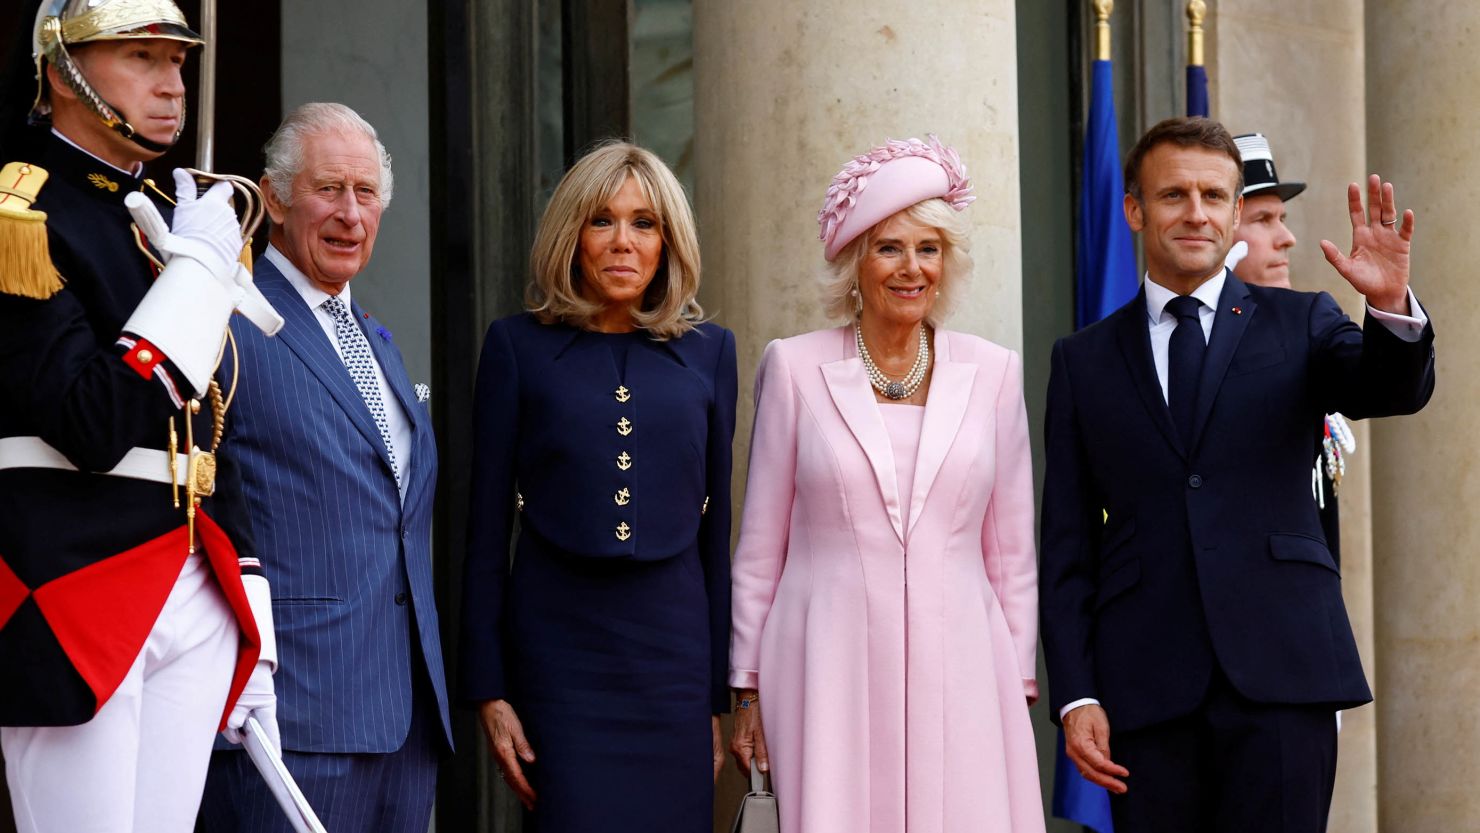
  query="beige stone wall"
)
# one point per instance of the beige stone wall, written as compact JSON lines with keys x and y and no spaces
{"x":1422,"y":72}
{"x":1293,"y":71}
{"x":785,"y":94}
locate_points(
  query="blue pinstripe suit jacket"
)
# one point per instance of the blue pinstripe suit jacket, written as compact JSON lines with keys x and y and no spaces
{"x":349,"y":563}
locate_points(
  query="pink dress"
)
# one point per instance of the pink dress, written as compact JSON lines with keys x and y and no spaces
{"x":885,"y":592}
{"x":903,"y":422}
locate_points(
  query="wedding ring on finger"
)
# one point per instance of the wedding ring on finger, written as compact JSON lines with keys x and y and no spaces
{"x":1390,"y":223}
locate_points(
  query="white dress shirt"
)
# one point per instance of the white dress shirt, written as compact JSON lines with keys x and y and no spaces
{"x":1162,"y":323}
{"x":400,"y":426}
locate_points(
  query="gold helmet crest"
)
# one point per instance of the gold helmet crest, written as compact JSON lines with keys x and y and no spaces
{"x":64,"y":23}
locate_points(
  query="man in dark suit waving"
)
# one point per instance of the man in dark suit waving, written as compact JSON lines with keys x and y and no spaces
{"x":339,"y":468}
{"x":1188,"y":596}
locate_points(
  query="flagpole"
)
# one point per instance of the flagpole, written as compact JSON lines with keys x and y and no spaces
{"x":1197,"y":74}
{"x":1103,"y":8}
{"x":1197,"y":12}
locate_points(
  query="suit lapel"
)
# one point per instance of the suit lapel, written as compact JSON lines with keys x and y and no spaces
{"x":394,"y":368}
{"x":1134,"y":336}
{"x":849,"y":387}
{"x":390,"y":362}
{"x":945,"y":408}
{"x":303,"y":335}
{"x":1223,"y":342}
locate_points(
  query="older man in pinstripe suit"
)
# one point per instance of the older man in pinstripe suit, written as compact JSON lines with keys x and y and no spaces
{"x":338,"y":467}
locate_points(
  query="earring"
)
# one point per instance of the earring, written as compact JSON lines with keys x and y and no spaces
{"x":857,"y":299}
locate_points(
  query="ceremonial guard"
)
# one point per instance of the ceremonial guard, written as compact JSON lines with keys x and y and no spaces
{"x":131,"y":628}
{"x":1261,"y":256}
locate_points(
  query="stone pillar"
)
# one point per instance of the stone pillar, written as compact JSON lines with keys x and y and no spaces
{"x":785,"y":94}
{"x":1422,"y":120}
{"x":1294,"y":73}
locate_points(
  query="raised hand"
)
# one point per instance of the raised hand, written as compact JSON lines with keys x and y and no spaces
{"x":1377,"y":265}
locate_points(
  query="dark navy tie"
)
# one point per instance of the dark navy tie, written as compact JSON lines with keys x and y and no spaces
{"x":1184,"y":364}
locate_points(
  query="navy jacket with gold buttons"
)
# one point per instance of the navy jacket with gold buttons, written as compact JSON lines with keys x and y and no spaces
{"x":599,"y":461}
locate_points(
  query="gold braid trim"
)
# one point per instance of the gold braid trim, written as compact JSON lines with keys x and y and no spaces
{"x":26,"y":269}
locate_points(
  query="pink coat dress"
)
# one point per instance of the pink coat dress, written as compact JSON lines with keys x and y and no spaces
{"x":893,"y":649}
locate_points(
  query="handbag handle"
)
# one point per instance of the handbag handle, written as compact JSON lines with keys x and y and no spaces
{"x":757,"y":779}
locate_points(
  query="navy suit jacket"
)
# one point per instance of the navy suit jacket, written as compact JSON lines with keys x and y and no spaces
{"x":351,"y":567}
{"x":1163,"y":561}
{"x":547,"y":424}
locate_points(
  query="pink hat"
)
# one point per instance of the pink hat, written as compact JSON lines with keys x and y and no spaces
{"x":887,"y":179}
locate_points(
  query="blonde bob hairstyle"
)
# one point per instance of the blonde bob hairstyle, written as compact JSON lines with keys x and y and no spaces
{"x":841,"y":277}
{"x":669,"y":307}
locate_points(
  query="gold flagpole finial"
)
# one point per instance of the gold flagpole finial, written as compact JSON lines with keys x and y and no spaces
{"x":1103,"y":8}
{"x":1197,"y":12}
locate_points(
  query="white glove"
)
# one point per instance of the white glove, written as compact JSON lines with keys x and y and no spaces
{"x":258,"y":697}
{"x":185,"y":312}
{"x":205,"y":228}
{"x":1236,"y":254}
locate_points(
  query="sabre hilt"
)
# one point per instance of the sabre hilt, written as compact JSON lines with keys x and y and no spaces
{"x":252,"y":306}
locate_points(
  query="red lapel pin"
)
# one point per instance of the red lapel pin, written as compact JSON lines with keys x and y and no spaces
{"x":1238,"y":310}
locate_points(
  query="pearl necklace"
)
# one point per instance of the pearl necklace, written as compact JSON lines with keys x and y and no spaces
{"x":906,"y":387}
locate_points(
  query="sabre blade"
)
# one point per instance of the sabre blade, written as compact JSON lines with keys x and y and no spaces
{"x":205,"y":125}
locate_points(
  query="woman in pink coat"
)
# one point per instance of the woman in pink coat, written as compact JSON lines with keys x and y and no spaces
{"x":885,"y":587}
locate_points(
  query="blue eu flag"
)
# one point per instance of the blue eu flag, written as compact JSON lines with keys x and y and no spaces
{"x":1105,"y":275}
{"x":1197,"y":90}
{"x":1105,"y":280}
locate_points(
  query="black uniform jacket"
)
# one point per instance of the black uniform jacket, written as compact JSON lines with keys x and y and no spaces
{"x":80,"y":581}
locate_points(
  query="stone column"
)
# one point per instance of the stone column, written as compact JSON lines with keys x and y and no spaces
{"x":785,"y":94}
{"x":1294,"y":72}
{"x":1421,"y":128}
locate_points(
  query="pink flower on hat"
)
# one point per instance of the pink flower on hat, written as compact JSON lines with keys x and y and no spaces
{"x":841,"y":219}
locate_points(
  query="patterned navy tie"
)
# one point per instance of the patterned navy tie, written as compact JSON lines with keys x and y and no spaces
{"x":1184,"y":364}
{"x":355,"y":350}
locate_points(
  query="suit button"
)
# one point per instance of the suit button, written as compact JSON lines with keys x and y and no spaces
{"x":624,"y":531}
{"x":623,"y":497}
{"x":624,"y":461}
{"x":624,"y":426}
{"x":623,"y":394}
{"x":401,"y":598}
{"x":403,"y":533}
{"x":1195,"y":481}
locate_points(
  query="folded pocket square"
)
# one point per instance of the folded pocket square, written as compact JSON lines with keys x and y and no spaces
{"x":423,"y":393}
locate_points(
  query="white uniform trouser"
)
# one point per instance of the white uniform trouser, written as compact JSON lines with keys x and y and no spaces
{"x":139,"y":766}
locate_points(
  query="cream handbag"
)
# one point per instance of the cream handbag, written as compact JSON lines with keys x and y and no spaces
{"x":757,"y":813}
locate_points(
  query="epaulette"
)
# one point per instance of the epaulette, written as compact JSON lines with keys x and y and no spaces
{"x":25,"y":259}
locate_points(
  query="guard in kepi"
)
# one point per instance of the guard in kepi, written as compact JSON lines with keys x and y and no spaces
{"x":131,"y":628}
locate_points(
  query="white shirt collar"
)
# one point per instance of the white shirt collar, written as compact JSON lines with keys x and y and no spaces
{"x":137,"y":172}
{"x":307,"y":289}
{"x":1158,"y":296}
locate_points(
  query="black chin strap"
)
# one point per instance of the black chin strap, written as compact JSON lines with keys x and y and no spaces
{"x":122,"y":127}
{"x":126,"y":130}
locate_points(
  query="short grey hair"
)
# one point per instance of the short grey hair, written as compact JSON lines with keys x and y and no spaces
{"x":285,"y":149}
{"x":841,"y":276}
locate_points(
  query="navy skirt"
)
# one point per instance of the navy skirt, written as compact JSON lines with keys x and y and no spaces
{"x":610,"y":677}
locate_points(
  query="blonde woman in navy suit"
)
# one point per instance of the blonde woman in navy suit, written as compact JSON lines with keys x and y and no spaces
{"x":605,"y":416}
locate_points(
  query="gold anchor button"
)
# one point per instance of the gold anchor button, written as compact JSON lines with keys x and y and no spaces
{"x":624,"y":461}
{"x":623,"y":531}
{"x":623,"y":497}
{"x":623,"y":394}
{"x":624,"y":426}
